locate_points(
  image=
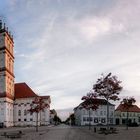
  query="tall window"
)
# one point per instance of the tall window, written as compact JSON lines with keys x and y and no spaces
{"x":84,"y":118}
{"x":103,"y":120}
{"x":2,"y":111}
{"x":95,"y":120}
{"x":96,"y":112}
{"x":111,"y":113}
{"x":84,"y":112}
{"x":19,"y":113}
{"x":25,"y":112}
{"x":101,"y":113}
{"x":91,"y":112}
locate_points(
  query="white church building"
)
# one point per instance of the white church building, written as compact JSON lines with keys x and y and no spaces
{"x":16,"y":99}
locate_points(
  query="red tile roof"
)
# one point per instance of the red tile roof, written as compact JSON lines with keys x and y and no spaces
{"x":134,"y":108}
{"x":22,"y":90}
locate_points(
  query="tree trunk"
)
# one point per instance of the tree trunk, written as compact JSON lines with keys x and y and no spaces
{"x":37,"y":122}
{"x":89,"y":121}
{"x":107,"y":115}
{"x":127,"y":121}
{"x":40,"y":117}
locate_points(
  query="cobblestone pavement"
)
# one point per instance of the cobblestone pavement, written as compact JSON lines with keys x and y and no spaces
{"x":63,"y":132}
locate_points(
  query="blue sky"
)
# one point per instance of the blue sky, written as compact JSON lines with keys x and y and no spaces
{"x":63,"y":46}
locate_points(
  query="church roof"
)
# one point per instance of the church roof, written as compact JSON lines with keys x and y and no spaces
{"x":22,"y":90}
{"x":133,"y":108}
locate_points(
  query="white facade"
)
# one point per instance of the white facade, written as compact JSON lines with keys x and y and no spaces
{"x":22,"y":117}
{"x":98,"y":116}
{"x":6,"y":111}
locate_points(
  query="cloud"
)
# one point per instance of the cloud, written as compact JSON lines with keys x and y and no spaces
{"x":93,"y":27}
{"x":62,"y":47}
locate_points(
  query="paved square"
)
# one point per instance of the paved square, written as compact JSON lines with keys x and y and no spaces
{"x":63,"y":132}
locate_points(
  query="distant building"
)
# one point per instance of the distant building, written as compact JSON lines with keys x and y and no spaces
{"x":15,"y":99}
{"x":98,"y":116}
{"x":121,"y":115}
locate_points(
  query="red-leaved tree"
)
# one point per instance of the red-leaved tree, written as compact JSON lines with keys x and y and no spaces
{"x":90,"y":103}
{"x":127,"y":103}
{"x":38,"y":105}
{"x":109,"y":88}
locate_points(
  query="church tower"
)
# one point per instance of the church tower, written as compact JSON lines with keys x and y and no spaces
{"x":6,"y":76}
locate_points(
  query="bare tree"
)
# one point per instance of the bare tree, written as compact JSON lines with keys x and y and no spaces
{"x":127,"y":103}
{"x":90,"y":103}
{"x":109,"y":88}
{"x":37,"y":106}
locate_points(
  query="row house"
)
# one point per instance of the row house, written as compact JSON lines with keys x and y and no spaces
{"x":133,"y":115}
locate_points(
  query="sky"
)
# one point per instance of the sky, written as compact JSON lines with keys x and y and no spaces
{"x":63,"y":46}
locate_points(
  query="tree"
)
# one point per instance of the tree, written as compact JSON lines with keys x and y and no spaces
{"x":38,"y":105}
{"x":67,"y":120}
{"x":127,"y":103}
{"x":56,"y":119}
{"x":90,"y":103}
{"x":71,"y":119}
{"x":109,"y":88}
